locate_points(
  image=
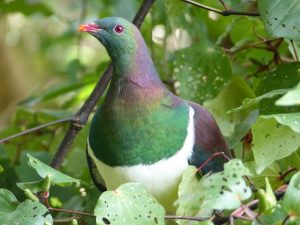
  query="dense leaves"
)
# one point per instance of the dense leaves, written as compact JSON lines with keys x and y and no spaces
{"x":243,"y":69}
{"x":218,"y":191}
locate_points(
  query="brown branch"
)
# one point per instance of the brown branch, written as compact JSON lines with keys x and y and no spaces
{"x":227,"y":12}
{"x":190,"y":218}
{"x":89,"y":104}
{"x":71,"y":212}
{"x":31,"y":130}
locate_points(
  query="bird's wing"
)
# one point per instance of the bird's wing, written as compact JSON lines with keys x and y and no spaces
{"x":208,"y":140}
{"x":98,"y":180}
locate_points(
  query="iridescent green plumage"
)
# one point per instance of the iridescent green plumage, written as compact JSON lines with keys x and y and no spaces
{"x":142,"y":132}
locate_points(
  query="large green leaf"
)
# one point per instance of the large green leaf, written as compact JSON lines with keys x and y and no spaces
{"x":128,"y":204}
{"x":281,"y":17}
{"x":272,"y":141}
{"x":285,"y":76}
{"x":218,"y":191}
{"x":26,"y":213}
{"x":201,"y":72}
{"x":44,"y":170}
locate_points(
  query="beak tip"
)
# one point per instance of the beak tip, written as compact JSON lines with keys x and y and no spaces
{"x":81,"y":28}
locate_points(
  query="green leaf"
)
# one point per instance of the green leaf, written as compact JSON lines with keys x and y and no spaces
{"x":44,"y":170}
{"x":128,"y":204}
{"x":8,"y":201}
{"x":250,"y":102}
{"x":281,"y":17}
{"x":292,"y":97}
{"x":291,"y":199}
{"x":218,"y":191}
{"x":230,"y":97}
{"x":289,"y":119}
{"x":1,"y":169}
{"x":34,"y":186}
{"x":285,"y":76}
{"x":267,"y":199}
{"x":272,"y":141}
{"x":201,"y":72}
{"x":27,"y":213}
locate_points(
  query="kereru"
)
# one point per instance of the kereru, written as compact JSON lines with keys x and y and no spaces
{"x":142,"y":132}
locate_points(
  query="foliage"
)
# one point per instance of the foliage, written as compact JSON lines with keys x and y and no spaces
{"x":243,"y":69}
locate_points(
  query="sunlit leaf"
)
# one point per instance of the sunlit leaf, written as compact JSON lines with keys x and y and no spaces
{"x":56,"y":177}
{"x":128,"y":204}
{"x":292,"y":97}
{"x":272,"y":141}
{"x":217,"y":191}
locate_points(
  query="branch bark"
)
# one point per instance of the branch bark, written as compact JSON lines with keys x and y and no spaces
{"x":89,"y":104}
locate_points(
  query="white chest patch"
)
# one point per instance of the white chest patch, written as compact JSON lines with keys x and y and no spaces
{"x":161,"y":178}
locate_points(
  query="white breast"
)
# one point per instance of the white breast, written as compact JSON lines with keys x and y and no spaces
{"x":161,"y":178}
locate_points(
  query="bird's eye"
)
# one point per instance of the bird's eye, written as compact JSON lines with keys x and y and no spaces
{"x":119,"y":29}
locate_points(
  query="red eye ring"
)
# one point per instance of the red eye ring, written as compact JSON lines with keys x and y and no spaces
{"x":119,"y":29}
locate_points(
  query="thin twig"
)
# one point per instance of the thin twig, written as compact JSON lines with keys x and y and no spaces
{"x":89,"y":104}
{"x":67,"y":119}
{"x":72,"y":212}
{"x":287,"y":173}
{"x":228,"y":12}
{"x":190,"y":218}
{"x":211,"y":158}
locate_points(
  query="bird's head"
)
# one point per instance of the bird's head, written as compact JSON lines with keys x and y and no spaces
{"x":118,"y":35}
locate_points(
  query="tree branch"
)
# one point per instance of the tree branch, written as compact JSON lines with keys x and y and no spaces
{"x":227,"y":12}
{"x":88,"y":106}
{"x":31,"y":130}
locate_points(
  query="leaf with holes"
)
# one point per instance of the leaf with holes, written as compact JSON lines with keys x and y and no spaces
{"x":201,"y":72}
{"x":281,"y":17}
{"x":218,"y":191}
{"x":56,"y":177}
{"x":128,"y":204}
{"x":25,"y":213}
{"x":272,"y":141}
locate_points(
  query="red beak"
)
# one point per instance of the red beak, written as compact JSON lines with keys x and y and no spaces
{"x":88,"y":27}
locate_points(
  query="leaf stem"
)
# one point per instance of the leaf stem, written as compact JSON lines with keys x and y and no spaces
{"x":190,"y":218}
